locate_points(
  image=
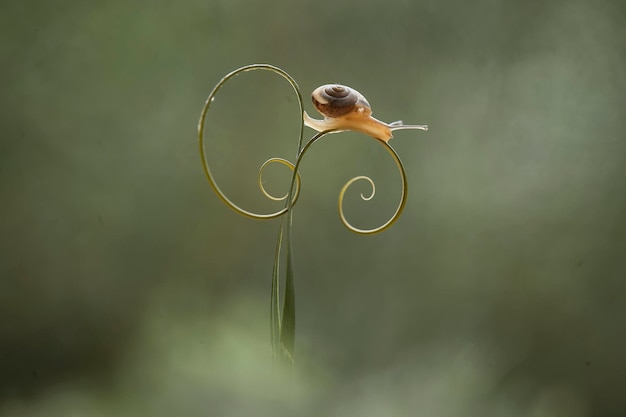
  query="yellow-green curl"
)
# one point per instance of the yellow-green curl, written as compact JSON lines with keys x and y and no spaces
{"x":205,"y":164}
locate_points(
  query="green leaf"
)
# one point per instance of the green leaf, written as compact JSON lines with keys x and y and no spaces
{"x":288,"y":324}
{"x":275,"y":325}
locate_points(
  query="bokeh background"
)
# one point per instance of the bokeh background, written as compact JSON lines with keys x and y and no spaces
{"x":128,"y":289}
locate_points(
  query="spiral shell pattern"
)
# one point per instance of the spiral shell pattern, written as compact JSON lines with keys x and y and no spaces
{"x":335,"y":100}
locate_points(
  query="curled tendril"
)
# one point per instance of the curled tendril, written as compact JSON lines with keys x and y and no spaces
{"x":399,"y":209}
{"x":295,"y":191}
{"x":342,"y":216}
{"x":355,"y":179}
{"x":260,"y":179}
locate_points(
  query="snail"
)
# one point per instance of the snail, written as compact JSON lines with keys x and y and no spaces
{"x":344,"y":108}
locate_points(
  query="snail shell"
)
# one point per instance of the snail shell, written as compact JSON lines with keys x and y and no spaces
{"x":334,"y":100}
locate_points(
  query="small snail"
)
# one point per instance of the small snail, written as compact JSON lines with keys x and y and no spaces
{"x":344,"y":108}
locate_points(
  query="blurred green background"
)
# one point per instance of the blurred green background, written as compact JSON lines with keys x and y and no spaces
{"x":128,"y":289}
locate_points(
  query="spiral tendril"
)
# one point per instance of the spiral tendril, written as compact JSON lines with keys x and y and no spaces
{"x":205,"y":164}
{"x":260,"y":179}
{"x":399,"y":209}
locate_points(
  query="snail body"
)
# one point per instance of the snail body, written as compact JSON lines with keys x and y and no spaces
{"x":344,"y":108}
